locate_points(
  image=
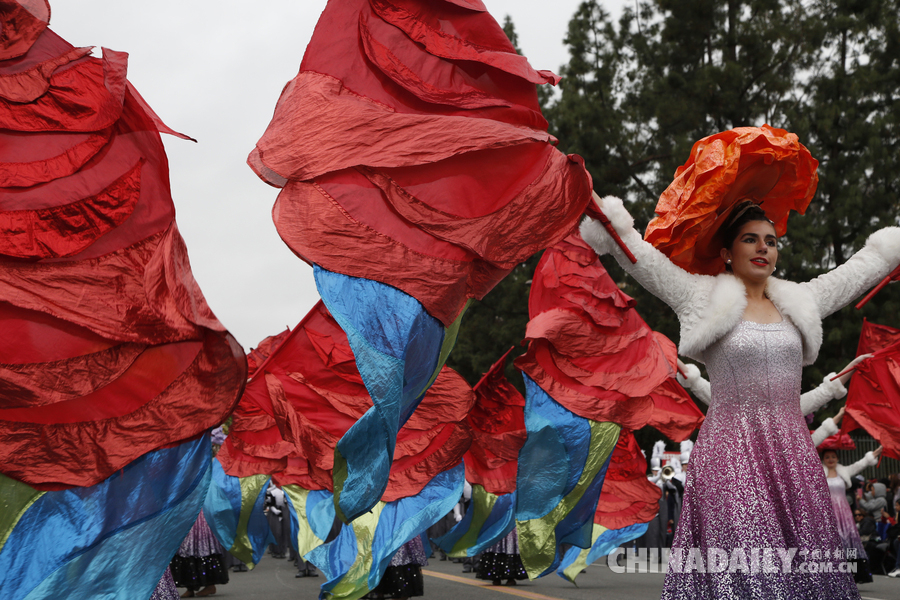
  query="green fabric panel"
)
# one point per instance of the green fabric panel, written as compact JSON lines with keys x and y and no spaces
{"x":307,"y":541}
{"x":251,"y":488}
{"x":16,"y":498}
{"x":482,"y":503}
{"x":537,"y":537}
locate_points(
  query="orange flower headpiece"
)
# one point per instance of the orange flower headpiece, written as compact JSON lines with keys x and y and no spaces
{"x":766,"y":165}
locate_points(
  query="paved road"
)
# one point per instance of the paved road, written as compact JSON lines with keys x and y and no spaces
{"x":274,"y":579}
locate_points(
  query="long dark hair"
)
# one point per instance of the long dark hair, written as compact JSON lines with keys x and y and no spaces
{"x":743,"y":212}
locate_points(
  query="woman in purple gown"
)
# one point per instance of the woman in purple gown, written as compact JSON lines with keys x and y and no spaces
{"x":756,"y":520}
{"x":839,"y":477}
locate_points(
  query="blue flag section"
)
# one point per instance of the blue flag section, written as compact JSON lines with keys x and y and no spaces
{"x":233,"y":508}
{"x":561,"y":470}
{"x":489,"y":519}
{"x":111,"y":540}
{"x":399,"y":350}
{"x":355,"y":560}
{"x":604,"y":541}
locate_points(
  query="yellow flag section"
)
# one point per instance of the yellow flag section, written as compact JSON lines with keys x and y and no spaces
{"x":354,"y":557}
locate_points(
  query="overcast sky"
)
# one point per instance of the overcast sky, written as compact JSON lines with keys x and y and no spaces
{"x":214,"y":71}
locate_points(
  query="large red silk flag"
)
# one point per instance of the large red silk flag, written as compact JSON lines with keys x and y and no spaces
{"x":309,"y":392}
{"x":108,"y":349}
{"x":873,"y":401}
{"x":412,"y":151}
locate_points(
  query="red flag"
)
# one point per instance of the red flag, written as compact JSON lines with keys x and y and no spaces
{"x":839,"y":441}
{"x":257,"y":356}
{"x":108,"y":348}
{"x":627,"y":497}
{"x":498,"y":428}
{"x":873,"y":401}
{"x":412,"y":151}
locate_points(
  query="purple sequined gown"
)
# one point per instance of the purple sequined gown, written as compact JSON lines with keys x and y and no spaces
{"x":844,"y":516}
{"x":756,"y":483}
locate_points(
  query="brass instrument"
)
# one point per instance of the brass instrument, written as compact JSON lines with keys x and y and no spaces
{"x":667,"y":472}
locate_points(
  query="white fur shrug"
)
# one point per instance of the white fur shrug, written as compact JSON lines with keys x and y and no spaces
{"x":847,"y":473}
{"x":708,"y":306}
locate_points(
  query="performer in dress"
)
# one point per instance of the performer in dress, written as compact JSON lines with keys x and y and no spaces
{"x":403,"y":578}
{"x":767,"y":513}
{"x":839,"y":478}
{"x":502,"y":561}
{"x":199,"y":564}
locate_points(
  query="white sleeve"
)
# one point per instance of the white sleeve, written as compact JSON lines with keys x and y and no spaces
{"x":818,"y":397}
{"x":868,"y":460}
{"x":653,"y":270}
{"x":825,"y":431}
{"x":840,"y":286}
{"x":695,"y":382}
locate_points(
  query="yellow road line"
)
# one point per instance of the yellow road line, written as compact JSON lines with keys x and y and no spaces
{"x":487,"y":585}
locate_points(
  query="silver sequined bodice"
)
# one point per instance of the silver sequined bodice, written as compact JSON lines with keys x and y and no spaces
{"x":756,"y":367}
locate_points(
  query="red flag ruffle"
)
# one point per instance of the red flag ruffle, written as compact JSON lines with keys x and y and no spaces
{"x":309,"y":393}
{"x":627,"y":497}
{"x":592,"y":352}
{"x":109,"y":348}
{"x":411,"y":150}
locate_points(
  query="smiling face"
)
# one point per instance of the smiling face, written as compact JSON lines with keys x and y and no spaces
{"x":829,"y":459}
{"x":754,"y":252}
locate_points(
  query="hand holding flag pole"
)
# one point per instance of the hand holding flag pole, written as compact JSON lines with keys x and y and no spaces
{"x":593,"y":210}
{"x":851,"y":367}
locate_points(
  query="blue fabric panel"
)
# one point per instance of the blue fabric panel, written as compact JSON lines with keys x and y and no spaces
{"x":499,"y":523}
{"x":447,"y":541}
{"x":553,"y":456}
{"x":222,"y":505}
{"x":335,"y":558}
{"x":258,"y":529}
{"x":576,"y":527}
{"x":404,"y":519}
{"x":397,"y":347}
{"x":111,"y":540}
{"x":608,"y":541}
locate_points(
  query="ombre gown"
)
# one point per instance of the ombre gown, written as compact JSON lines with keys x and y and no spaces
{"x":756,"y":482}
{"x":846,"y":526}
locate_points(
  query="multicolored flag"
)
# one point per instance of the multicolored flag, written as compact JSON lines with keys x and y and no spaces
{"x":355,"y":560}
{"x":593,"y":367}
{"x":113,"y":539}
{"x":299,"y":403}
{"x":112,"y":366}
{"x":416,"y":172}
{"x":628,"y":502}
{"x":233,"y":509}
